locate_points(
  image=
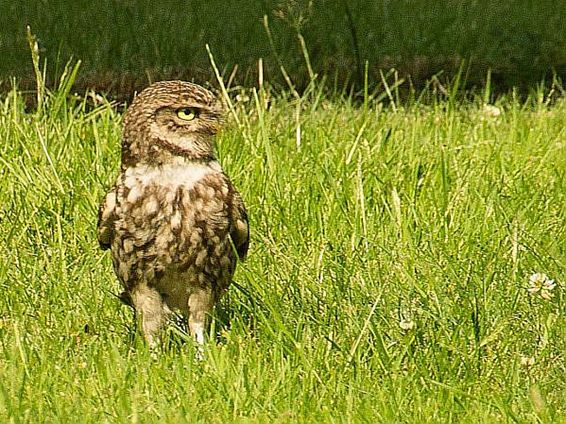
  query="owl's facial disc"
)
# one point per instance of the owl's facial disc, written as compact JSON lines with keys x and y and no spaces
{"x":185,"y":130}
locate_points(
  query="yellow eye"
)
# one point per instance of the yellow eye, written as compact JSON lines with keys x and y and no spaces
{"x":187,"y":113}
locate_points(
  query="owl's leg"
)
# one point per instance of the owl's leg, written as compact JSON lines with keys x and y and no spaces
{"x":200,"y":305}
{"x":149,"y":305}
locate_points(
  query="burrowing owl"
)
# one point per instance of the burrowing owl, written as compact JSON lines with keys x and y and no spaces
{"x":174,"y":222}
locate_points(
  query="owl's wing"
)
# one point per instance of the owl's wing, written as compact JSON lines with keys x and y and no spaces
{"x":240,"y":232}
{"x":106,"y":218}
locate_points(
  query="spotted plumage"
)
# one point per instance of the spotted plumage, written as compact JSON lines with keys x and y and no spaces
{"x":174,"y":222}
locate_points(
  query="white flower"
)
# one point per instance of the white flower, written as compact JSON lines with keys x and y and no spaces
{"x":242,"y":97}
{"x":490,"y":111}
{"x":406,"y":324}
{"x":527,"y":361}
{"x":541,"y":284}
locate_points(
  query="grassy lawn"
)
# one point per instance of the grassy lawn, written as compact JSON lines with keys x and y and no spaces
{"x":392,"y":246}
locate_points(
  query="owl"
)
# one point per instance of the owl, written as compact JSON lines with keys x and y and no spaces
{"x":174,"y":223}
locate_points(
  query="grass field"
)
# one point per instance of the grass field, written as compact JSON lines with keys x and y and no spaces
{"x":387,"y":281}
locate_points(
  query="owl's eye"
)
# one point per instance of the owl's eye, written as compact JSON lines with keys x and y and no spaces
{"x":187,"y":113}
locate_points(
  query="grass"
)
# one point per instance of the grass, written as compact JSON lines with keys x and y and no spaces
{"x":521,"y":42}
{"x":387,"y":279}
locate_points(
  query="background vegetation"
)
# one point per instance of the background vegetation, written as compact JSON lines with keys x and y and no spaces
{"x":123,"y":44}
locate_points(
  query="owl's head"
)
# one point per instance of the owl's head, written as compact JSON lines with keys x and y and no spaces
{"x":170,"y":119}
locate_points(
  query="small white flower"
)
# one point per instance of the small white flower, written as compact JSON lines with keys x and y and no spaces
{"x":490,"y":111}
{"x":527,"y":361}
{"x":541,"y":284}
{"x":406,"y":324}
{"x":243,"y":98}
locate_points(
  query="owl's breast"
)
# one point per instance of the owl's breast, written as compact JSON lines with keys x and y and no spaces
{"x":175,"y":223}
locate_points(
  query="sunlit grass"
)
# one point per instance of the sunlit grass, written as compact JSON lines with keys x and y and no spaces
{"x":388,"y":276}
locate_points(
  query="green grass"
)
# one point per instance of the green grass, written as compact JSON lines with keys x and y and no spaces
{"x":520,"y":41}
{"x":386,"y":282}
